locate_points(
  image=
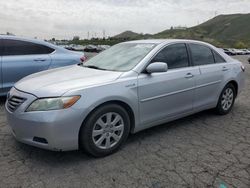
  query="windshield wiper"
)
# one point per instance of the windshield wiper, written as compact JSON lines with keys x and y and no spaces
{"x":94,"y":67}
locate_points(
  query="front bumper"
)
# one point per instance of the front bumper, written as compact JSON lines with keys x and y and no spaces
{"x":54,"y":130}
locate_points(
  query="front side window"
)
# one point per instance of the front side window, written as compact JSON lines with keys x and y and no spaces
{"x":175,"y":56}
{"x":121,"y":57}
{"x":201,"y":55}
{"x":17,"y":47}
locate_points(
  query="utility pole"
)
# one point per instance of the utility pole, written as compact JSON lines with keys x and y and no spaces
{"x":104,"y":33}
{"x":215,"y":13}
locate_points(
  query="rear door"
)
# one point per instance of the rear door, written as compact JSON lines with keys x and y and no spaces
{"x":208,"y":83}
{"x":22,"y":58}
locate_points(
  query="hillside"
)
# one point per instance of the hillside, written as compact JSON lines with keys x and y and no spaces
{"x":128,"y":35}
{"x":222,"y":30}
{"x":226,"y":30}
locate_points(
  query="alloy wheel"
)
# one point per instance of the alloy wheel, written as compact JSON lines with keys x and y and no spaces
{"x":108,"y":130}
{"x":227,"y":99}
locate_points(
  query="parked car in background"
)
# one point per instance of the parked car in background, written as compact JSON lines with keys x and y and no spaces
{"x":96,"y":49}
{"x":90,"y":48}
{"x":227,"y":51}
{"x":75,"y":47}
{"x":125,"y":89}
{"x":230,"y":51}
{"x":234,"y":52}
{"x":102,"y":47}
{"x":246,"y":51}
{"x":20,"y":57}
{"x":239,"y":52}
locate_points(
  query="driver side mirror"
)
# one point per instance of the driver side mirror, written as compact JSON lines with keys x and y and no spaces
{"x":157,"y":67}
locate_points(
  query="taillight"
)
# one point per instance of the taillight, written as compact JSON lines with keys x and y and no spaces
{"x":83,"y":58}
{"x":242,"y":68}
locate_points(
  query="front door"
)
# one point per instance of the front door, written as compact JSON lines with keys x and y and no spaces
{"x":163,"y":95}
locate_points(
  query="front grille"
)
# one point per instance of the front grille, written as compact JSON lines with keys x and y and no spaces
{"x":14,"y":102}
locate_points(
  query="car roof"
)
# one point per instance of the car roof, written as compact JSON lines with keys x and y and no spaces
{"x":37,"y":41}
{"x":166,"y":41}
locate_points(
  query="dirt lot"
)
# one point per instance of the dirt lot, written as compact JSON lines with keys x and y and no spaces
{"x":203,"y":150}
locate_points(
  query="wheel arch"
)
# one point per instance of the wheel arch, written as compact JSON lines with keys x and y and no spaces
{"x":235,"y":84}
{"x":123,"y":104}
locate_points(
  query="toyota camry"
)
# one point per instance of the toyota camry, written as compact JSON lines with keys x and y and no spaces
{"x":125,"y":89}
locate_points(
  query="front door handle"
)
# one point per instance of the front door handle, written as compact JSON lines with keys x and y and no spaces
{"x":225,"y":69}
{"x":39,"y":60}
{"x":189,"y":75}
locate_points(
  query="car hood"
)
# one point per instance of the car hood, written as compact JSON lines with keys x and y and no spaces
{"x":56,"y":82}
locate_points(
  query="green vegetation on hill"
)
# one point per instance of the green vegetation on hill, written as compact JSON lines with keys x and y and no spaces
{"x":223,"y":30}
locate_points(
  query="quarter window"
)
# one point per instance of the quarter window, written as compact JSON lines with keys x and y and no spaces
{"x":201,"y":55}
{"x":218,"y":58}
{"x":16,"y":47}
{"x":174,"y":55}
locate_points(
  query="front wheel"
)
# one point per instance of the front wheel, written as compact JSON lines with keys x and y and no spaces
{"x":226,"y":100}
{"x":105,"y":130}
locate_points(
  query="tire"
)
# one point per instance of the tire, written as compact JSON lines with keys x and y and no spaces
{"x":102,"y":133}
{"x":226,"y":100}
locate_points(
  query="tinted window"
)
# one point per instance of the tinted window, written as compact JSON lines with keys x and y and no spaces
{"x":201,"y":55}
{"x":16,"y":47}
{"x":218,"y":58}
{"x":1,"y":47}
{"x":175,"y":56}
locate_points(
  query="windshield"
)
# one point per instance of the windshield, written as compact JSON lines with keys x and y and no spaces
{"x":121,"y":57}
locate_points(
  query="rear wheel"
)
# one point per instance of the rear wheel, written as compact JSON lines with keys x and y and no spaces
{"x":105,"y":130}
{"x":226,"y":100}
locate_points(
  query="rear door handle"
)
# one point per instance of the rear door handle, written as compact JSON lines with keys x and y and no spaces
{"x":189,"y":75}
{"x":225,"y":69}
{"x":39,"y":60}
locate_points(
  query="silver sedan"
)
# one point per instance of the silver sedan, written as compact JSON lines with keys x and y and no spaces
{"x":125,"y":89}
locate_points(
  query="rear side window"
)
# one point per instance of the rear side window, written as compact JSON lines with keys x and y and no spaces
{"x":201,"y":55}
{"x":16,"y":47}
{"x":174,"y":55}
{"x":218,"y":58}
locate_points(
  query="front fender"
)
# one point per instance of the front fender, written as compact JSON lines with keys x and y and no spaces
{"x":93,"y":97}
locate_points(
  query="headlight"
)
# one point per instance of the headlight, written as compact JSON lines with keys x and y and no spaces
{"x":58,"y":103}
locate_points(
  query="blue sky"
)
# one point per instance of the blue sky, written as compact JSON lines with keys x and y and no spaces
{"x":66,"y":18}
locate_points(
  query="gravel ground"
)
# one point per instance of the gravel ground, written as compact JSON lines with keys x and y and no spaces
{"x":202,"y":150}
